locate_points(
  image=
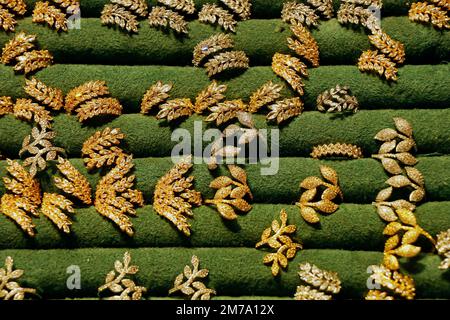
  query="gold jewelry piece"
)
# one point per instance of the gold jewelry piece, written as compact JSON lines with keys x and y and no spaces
{"x":16,"y":208}
{"x":299,"y":13}
{"x":285,"y":109}
{"x":25,"y":109}
{"x":99,"y":107}
{"x":393,"y":281}
{"x":162,"y":17}
{"x":443,"y":248}
{"x":176,"y":108}
{"x":308,"y":293}
{"x":114,"y":197}
{"x":52,"y":97}
{"x":327,"y":281}
{"x":156,"y":94}
{"x":324,"y":7}
{"x":266,"y":94}
{"x":230,"y":193}
{"x":213,"y":44}
{"x":337,"y":99}
{"x":225,"y":61}
{"x":53,"y":207}
{"x":17,"y":46}
{"x":33,"y":61}
{"x":393,"y":49}
{"x":304,"y":44}
{"x":336,"y":150}
{"x":10,"y":289}
{"x":226,"y":111}
{"x":187,"y":6}
{"x":44,"y":12}
{"x":349,"y":13}
{"x":290,"y":69}
{"x":139,"y":7}
{"x":212,"y":13}
{"x":175,"y":196}
{"x":6,"y":105}
{"x":378,"y":295}
{"x":113,"y":14}
{"x":102,"y":148}
{"x":308,"y":209}
{"x":85,"y":92}
{"x":282,"y":241}
{"x":429,"y":13}
{"x":445,"y":4}
{"x":72,"y":182}
{"x":7,"y":20}
{"x":125,"y":289}
{"x":192,"y":286}
{"x":8,"y":10}
{"x":17,"y":6}
{"x":372,"y":61}
{"x":39,"y":145}
{"x":240,"y":7}
{"x":210,"y":96}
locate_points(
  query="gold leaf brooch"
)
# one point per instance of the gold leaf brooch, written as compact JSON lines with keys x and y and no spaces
{"x":290,"y":69}
{"x":435,"y":13}
{"x":326,"y":283}
{"x":166,"y":18}
{"x":299,"y":13}
{"x":304,"y":44}
{"x":9,"y":287}
{"x":336,"y":150}
{"x":212,"y":13}
{"x":124,"y":13}
{"x":337,"y":99}
{"x":6,"y":105}
{"x":8,"y":11}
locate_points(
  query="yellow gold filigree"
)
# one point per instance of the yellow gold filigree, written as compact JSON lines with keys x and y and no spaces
{"x":187,"y":6}
{"x":52,"y":97}
{"x":226,"y":61}
{"x":337,"y":99}
{"x":327,"y":281}
{"x":443,"y":248}
{"x":85,"y":92}
{"x":210,"y":96}
{"x":99,"y":107}
{"x":113,"y":14}
{"x":6,"y":105}
{"x":299,"y":13}
{"x":125,"y":289}
{"x":240,"y":7}
{"x":192,"y":286}
{"x":174,"y":196}
{"x":53,"y":207}
{"x":176,"y":108}
{"x":308,"y":293}
{"x":281,"y":239}
{"x":337,"y":150}
{"x":313,"y":185}
{"x":210,"y":46}
{"x":18,"y":45}
{"x":304,"y":44}
{"x":27,"y":110}
{"x":393,"y":281}
{"x":285,"y":109}
{"x":373,"y":61}
{"x":11,"y":290}
{"x":33,"y":61}
{"x":429,"y":13}
{"x":156,"y":94}
{"x":226,"y":111}
{"x":290,"y":69}
{"x":101,"y":149}
{"x":73,"y":182}
{"x":17,"y":208}
{"x":212,"y":13}
{"x":395,"y":50}
{"x":45,"y":13}
{"x":114,"y":197}
{"x":162,"y":17}
{"x":267,"y":93}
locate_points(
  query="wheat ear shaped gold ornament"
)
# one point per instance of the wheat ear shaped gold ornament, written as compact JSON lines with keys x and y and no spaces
{"x":48,"y":96}
{"x":268,"y":93}
{"x":72,"y":181}
{"x":102,"y":148}
{"x":345,"y":150}
{"x":6,"y":105}
{"x":240,"y":7}
{"x":8,"y":11}
{"x":349,"y":13}
{"x":290,"y":69}
{"x":337,"y":99}
{"x":45,"y":13}
{"x":304,"y":44}
{"x":285,"y":109}
{"x":213,"y":14}
{"x":430,"y":13}
{"x":325,"y":283}
{"x":299,"y":13}
{"x":323,"y":7}
{"x":27,"y":110}
{"x":210,"y":46}
{"x":124,"y":14}
{"x":186,"y":6}
{"x":161,"y":17}
{"x":443,"y":248}
{"x":10,"y":289}
{"x":155,"y":95}
{"x":226,"y":61}
{"x":210,"y":96}
{"x":84,"y":93}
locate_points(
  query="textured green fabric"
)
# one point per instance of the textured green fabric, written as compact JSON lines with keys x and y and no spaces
{"x":94,"y":43}
{"x":419,"y":86}
{"x":260,"y":8}
{"x":352,"y":227}
{"x":360,"y":180}
{"x":233,"y":271}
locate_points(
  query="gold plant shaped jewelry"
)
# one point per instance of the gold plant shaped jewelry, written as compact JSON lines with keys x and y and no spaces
{"x":6,"y":105}
{"x":393,"y":49}
{"x":124,"y":13}
{"x":85,"y":92}
{"x":326,"y":283}
{"x":323,"y":7}
{"x":53,"y":207}
{"x":46,"y":13}
{"x":226,"y":61}
{"x":435,"y":13}
{"x":18,"y":45}
{"x":282,"y":241}
{"x":210,"y":96}
{"x":115,"y":198}
{"x":331,"y":191}
{"x":187,"y":6}
{"x":99,"y":107}
{"x":340,"y":150}
{"x":394,"y":282}
{"x":24,"y":197}
{"x":226,"y":111}
{"x":290,"y":69}
{"x":8,"y":11}
{"x":285,"y":109}
{"x":211,"y":45}
{"x":72,"y":182}
{"x":443,"y":248}
{"x":337,"y":99}
{"x":48,"y":96}
{"x":240,"y":7}
{"x":299,"y":13}
{"x":268,"y":93}
{"x":175,"y":196}
{"x":193,"y":287}
{"x":176,"y":108}
{"x":33,"y":61}
{"x":40,"y":146}
{"x":402,"y":236}
{"x":212,"y":13}
{"x":27,"y":110}
{"x":165,"y":18}
{"x":155,"y":95}
{"x":12,"y":289}
{"x":102,"y":148}
{"x":372,"y":61}
{"x":230,"y":193}
{"x":304,"y":44}
{"x":122,"y":287}
{"x":349,"y":13}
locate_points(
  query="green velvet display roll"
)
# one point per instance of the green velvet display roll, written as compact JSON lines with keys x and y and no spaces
{"x":338,"y":44}
{"x":360,"y":180}
{"x":260,"y":8}
{"x":146,"y":136}
{"x":232,"y":271}
{"x":352,"y":227}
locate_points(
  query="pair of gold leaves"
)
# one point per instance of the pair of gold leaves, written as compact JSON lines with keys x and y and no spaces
{"x":55,"y":15}
{"x":320,"y":284}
